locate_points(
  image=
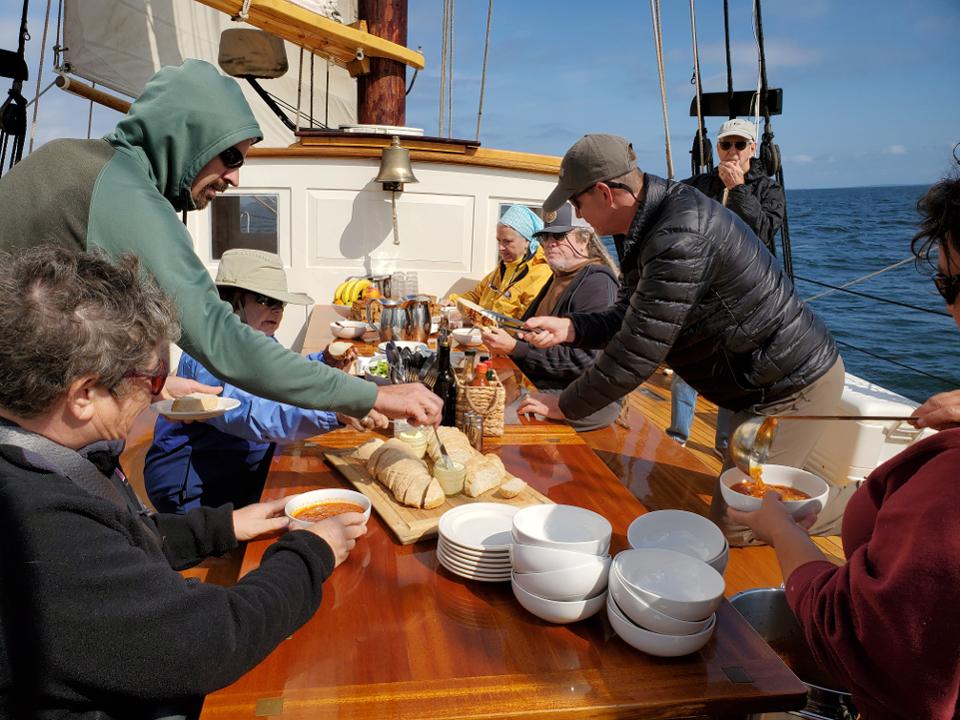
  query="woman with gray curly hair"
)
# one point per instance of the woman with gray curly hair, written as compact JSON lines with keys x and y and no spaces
{"x":94,"y":619}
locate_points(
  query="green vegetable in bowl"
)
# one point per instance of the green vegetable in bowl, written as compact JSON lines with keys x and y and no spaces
{"x":380,"y":368}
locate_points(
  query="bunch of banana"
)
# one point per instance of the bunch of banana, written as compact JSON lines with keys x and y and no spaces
{"x":350,"y":290}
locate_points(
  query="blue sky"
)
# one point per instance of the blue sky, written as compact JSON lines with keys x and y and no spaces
{"x":870,"y":88}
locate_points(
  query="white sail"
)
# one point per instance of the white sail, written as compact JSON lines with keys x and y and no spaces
{"x":120,"y":44}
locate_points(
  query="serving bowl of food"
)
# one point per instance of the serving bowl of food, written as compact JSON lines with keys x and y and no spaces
{"x":800,"y":491}
{"x":313,"y":506}
{"x":376,"y":369}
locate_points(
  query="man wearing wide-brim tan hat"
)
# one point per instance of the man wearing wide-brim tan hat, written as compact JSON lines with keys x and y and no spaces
{"x":700,"y":293}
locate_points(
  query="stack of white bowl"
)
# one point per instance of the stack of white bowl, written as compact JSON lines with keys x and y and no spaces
{"x":560,"y":560}
{"x":683,"y":531}
{"x":663,"y":602}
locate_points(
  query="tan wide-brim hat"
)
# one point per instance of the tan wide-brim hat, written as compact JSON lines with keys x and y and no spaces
{"x":259,"y":272}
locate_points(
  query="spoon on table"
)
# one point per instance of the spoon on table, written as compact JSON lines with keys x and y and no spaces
{"x":751,"y":441}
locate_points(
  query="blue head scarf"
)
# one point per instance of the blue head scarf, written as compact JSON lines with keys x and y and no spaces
{"x":524,"y":221}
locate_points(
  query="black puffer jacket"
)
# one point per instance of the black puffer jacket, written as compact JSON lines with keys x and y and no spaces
{"x":701,"y":293}
{"x":759,"y":201}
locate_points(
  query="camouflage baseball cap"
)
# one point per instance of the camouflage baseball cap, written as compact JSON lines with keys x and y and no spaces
{"x":592,"y":159}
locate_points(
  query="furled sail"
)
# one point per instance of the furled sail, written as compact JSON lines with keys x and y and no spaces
{"x":120,"y":45}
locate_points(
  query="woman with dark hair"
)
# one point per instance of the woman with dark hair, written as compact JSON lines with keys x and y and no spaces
{"x":94,"y":619}
{"x":883,"y":623}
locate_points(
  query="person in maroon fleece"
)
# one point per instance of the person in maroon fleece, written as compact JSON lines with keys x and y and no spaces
{"x":885,"y":622}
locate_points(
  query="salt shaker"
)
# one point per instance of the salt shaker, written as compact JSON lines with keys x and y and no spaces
{"x":473,"y":429}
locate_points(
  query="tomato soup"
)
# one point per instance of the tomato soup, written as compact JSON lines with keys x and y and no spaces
{"x":326,"y":509}
{"x":753,"y":490}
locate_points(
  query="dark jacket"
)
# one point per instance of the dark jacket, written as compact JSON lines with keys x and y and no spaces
{"x":701,"y":293}
{"x":759,"y":201}
{"x":592,"y":289}
{"x":95,"y":623}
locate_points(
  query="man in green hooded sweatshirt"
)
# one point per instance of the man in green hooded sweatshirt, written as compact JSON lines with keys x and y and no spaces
{"x":183,"y":140}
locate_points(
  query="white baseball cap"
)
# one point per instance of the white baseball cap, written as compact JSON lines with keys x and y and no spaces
{"x":738,"y":127}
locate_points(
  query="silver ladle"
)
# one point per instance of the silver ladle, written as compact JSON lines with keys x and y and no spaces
{"x":751,"y":441}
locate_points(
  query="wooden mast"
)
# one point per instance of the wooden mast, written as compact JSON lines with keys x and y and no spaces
{"x":381,"y":93}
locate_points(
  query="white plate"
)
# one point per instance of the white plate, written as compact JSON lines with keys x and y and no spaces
{"x":469,"y":573}
{"x":412,"y":344}
{"x":164,"y":407}
{"x":472,"y":561}
{"x":495,"y":556}
{"x":479,"y":526}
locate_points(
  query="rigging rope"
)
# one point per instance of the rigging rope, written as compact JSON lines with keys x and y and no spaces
{"x":443,"y":69}
{"x":90,"y":114}
{"x":950,"y":383}
{"x":658,"y":42}
{"x":703,"y":161}
{"x":312,"y":87}
{"x":483,"y":73}
{"x":876,"y":298}
{"x":726,"y":39}
{"x":299,"y":87}
{"x":36,"y":99}
{"x":859,"y":280}
{"x":450,"y":75}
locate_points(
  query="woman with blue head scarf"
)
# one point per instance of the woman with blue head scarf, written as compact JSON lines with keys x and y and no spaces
{"x":522,"y":271}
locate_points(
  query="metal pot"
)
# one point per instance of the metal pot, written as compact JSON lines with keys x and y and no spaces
{"x":416,"y":310}
{"x":392,"y":319}
{"x":767,"y":611}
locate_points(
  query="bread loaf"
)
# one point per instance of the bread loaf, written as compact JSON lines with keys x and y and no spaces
{"x":196,"y":403}
{"x":405,"y":475}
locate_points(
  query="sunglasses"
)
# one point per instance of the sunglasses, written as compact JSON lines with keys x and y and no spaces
{"x":231,"y":158}
{"x":268,"y":301}
{"x":157,"y":378}
{"x":575,"y":199}
{"x":739,"y":144}
{"x":948,"y":286}
{"x":550,"y":238}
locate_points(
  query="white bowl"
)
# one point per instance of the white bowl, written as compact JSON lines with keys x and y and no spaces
{"x":534,"y":558}
{"x":364,"y":363}
{"x":565,"y":527}
{"x":467,"y":336}
{"x":807,"y":482}
{"x":654,"y":643}
{"x":638,"y":612}
{"x":719,"y":563}
{"x":673,"y":583}
{"x":572,"y":583}
{"x":344,"y":311}
{"x":679,"y":530}
{"x":324,"y":495}
{"x":350,"y":329}
{"x":557,"y":611}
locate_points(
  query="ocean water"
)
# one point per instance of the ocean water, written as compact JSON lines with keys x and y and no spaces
{"x":843,"y":234}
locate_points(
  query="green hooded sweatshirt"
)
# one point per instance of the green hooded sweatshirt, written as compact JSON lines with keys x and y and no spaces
{"x":122,"y":193}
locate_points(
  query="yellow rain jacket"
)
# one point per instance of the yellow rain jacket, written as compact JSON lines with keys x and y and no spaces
{"x":511,"y":287}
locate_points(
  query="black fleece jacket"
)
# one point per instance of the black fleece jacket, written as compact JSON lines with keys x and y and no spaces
{"x":593,"y":288}
{"x":759,"y":201}
{"x":701,"y":293}
{"x":95,"y":623}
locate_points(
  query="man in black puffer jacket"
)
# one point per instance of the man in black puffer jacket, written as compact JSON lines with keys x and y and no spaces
{"x":700,"y":293}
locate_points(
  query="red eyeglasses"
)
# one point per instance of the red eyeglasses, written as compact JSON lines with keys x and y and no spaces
{"x":157,"y":378}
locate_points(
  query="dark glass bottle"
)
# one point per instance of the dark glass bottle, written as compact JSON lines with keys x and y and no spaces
{"x":446,"y":387}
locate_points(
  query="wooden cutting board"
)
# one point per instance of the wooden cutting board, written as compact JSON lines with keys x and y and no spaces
{"x":410,"y":524}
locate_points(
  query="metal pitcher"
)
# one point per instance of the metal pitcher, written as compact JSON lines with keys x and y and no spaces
{"x":383,"y":284}
{"x":416,"y":318}
{"x":392,"y":319}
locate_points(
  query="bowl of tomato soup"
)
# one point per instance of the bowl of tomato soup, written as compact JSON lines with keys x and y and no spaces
{"x":800,"y":491}
{"x":316,"y":505}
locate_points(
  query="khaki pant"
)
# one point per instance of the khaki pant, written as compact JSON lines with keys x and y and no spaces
{"x":791,"y":445}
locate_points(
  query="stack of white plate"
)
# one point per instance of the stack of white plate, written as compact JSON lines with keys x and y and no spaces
{"x":474,"y":541}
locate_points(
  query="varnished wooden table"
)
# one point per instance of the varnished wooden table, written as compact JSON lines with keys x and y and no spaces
{"x":397,"y":636}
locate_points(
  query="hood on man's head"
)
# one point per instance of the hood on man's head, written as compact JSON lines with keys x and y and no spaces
{"x":592,"y":159}
{"x":185,"y":116}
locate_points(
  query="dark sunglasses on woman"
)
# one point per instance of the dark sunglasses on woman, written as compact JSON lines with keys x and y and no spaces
{"x":948,"y":286}
{"x":739,"y":144}
{"x":231,"y":158}
{"x":268,"y":301}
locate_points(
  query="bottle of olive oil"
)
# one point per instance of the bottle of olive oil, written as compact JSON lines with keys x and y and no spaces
{"x":446,"y":387}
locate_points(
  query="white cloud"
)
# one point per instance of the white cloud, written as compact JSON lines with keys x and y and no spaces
{"x":895,"y":150}
{"x":780,"y":53}
{"x":800,"y":159}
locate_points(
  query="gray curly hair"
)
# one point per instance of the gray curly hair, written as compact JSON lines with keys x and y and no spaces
{"x":68,"y":314}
